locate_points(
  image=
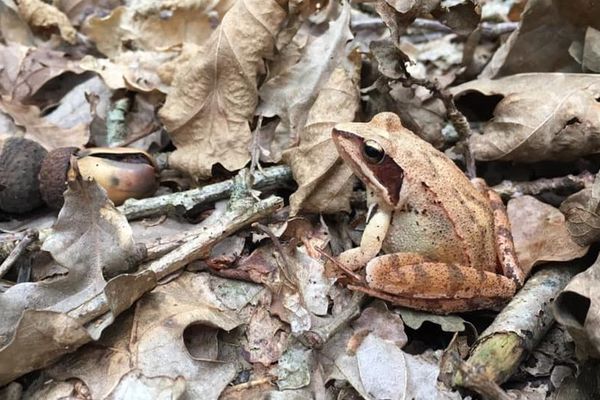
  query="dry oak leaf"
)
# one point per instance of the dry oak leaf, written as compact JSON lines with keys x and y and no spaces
{"x":215,"y":95}
{"x":578,"y":308}
{"x":537,"y":227}
{"x":43,"y":129}
{"x":155,"y":25}
{"x":324,"y":180}
{"x":172,"y":334}
{"x":291,"y":93}
{"x":560,"y":123}
{"x":90,"y":237}
{"x":46,"y":17}
{"x":582,"y":210}
{"x":26,"y":69}
{"x":528,"y":49}
{"x":12,"y":27}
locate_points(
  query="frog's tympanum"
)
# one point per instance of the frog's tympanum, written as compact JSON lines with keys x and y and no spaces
{"x":445,"y":240}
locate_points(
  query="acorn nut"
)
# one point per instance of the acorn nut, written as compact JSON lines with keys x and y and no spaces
{"x":20,"y":163}
{"x":30,"y":176}
{"x":123,"y":172}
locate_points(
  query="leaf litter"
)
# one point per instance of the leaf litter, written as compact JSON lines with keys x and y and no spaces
{"x":235,"y":300}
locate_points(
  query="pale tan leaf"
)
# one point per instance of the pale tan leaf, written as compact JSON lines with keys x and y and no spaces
{"x":90,"y":237}
{"x":324,"y":181}
{"x":214,"y":95}
{"x":561,"y":122}
{"x":267,"y":338}
{"x":291,"y":93}
{"x":537,"y":227}
{"x":42,"y":129}
{"x":528,"y":48}
{"x":582,"y":211}
{"x":90,"y":230}
{"x":172,"y":335}
{"x":133,"y":70}
{"x":43,"y":16}
{"x":12,"y":27}
{"x":26,"y":69}
{"x":155,"y":26}
{"x":578,"y":308}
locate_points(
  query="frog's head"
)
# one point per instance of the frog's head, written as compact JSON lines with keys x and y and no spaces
{"x":369,"y":148}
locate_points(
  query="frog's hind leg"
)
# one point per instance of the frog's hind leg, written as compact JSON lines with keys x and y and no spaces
{"x":505,"y":248}
{"x":435,"y":286}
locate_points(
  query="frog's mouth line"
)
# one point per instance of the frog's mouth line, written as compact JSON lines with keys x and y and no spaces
{"x":384,"y":177}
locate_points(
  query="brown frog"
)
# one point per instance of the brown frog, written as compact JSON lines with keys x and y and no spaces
{"x":446,"y":240}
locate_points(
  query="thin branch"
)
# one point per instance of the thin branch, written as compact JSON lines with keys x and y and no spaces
{"x":14,"y":255}
{"x":456,"y":117}
{"x":181,"y":202}
{"x":569,"y":184}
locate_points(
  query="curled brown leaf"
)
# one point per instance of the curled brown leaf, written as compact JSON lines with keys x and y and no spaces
{"x":46,"y":17}
{"x":324,"y":181}
{"x":215,"y":95}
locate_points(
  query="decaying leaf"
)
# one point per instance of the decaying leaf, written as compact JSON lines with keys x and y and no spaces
{"x":560,"y":123}
{"x":147,"y":345}
{"x":90,"y":236}
{"x":26,"y":69}
{"x":292,"y":92}
{"x":381,"y":370}
{"x":267,"y":338}
{"x":215,"y":94}
{"x":324,"y":181}
{"x":40,"y":15}
{"x":537,"y":227}
{"x":462,"y":16}
{"x":155,"y":26}
{"x":384,"y":323}
{"x":578,"y":308}
{"x":44,"y":130}
{"x":133,"y":70}
{"x":582,"y":213}
{"x":528,"y":48}
{"x":12,"y":27}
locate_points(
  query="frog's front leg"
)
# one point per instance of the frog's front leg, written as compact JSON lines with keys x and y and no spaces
{"x":370,"y":243}
{"x":436,"y":286}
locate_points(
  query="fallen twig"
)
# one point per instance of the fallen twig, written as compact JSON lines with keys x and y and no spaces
{"x":181,"y":202}
{"x":489,"y":30}
{"x":569,"y":183}
{"x":518,"y":328}
{"x":456,"y":117}
{"x":19,"y":249}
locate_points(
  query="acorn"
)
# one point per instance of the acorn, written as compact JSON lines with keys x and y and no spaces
{"x":123,"y":172}
{"x":20,"y":163}
{"x":30,"y":176}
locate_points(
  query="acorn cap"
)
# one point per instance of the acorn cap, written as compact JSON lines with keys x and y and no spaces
{"x":20,"y":162}
{"x":53,"y":175}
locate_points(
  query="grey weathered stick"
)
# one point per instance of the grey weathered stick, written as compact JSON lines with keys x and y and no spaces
{"x":181,"y":202}
{"x":570,"y":183}
{"x":519,"y":327}
{"x":14,"y":255}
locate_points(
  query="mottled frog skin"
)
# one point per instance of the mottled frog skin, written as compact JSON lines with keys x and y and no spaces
{"x":446,"y":240}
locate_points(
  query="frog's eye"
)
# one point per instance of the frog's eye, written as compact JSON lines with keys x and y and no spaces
{"x":373,"y":152}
